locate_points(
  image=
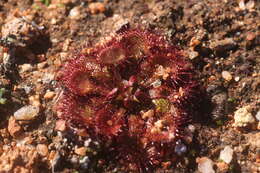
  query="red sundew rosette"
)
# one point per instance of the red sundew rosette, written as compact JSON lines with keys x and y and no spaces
{"x":109,"y":88}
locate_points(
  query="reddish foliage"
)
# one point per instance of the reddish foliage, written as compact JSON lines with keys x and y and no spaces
{"x":135,"y":90}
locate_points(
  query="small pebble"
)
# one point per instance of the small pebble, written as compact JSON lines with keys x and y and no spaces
{"x":28,"y":140}
{"x":242,"y":5}
{"x":250,"y":5}
{"x":193,"y":54}
{"x":96,"y":7}
{"x":192,"y":128}
{"x":237,"y":78}
{"x":194,"y":42}
{"x":42,"y":65}
{"x":74,"y":13}
{"x":54,"y":21}
{"x":222,"y":166}
{"x":226,"y":154}
{"x":35,"y":100}
{"x":60,"y":125}
{"x":26,"y":113}
{"x":13,"y":127}
{"x":87,"y":142}
{"x":25,"y":68}
{"x":226,"y":75}
{"x":243,"y":117}
{"x":49,"y":95}
{"x":42,"y":149}
{"x":180,"y":148}
{"x":81,"y":151}
{"x":250,"y":36}
{"x":205,"y":165}
{"x":66,"y":45}
{"x":47,"y":78}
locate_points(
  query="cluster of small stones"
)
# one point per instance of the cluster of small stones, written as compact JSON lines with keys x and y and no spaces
{"x":136,"y":91}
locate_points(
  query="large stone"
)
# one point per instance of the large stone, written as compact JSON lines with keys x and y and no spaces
{"x":13,"y":127}
{"x":226,"y":154}
{"x":205,"y":165}
{"x":243,"y":117}
{"x":26,"y":113}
